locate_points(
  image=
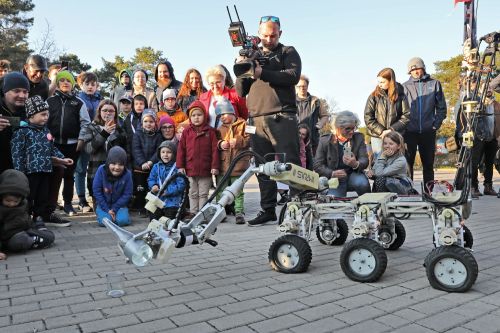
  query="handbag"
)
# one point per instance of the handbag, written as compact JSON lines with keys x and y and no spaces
{"x":451,"y":144}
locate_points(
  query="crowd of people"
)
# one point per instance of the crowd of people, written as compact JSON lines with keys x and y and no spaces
{"x":56,"y":130}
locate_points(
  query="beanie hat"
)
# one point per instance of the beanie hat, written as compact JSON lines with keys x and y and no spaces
{"x":140,"y":70}
{"x":169,"y":93}
{"x":65,"y":75}
{"x":14,"y":182}
{"x":116,"y":155}
{"x":35,"y":105}
{"x":224,"y":107}
{"x":170,"y":145}
{"x":166,"y":120}
{"x":15,"y":80}
{"x":415,"y":63}
{"x":148,"y":113}
{"x":196,"y":105}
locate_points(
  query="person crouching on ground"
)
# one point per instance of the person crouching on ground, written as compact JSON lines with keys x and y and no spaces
{"x":18,"y":233}
{"x":163,"y":170}
{"x":112,"y":188}
{"x":342,"y":154}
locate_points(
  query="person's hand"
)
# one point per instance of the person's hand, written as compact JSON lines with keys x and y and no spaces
{"x":112,"y":214}
{"x":4,"y":123}
{"x":214,"y":172}
{"x":350,"y":160}
{"x":224,"y":145}
{"x":182,"y":170}
{"x":145,"y":166}
{"x":340,"y":174}
{"x":257,"y":71}
{"x":388,"y":152}
{"x":67,"y":161}
{"x":369,"y":173}
{"x":384,"y":133}
{"x":232,"y":142}
{"x":155,"y":189}
{"x":110,"y":126}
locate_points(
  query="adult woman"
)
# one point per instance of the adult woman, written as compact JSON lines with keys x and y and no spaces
{"x":100,"y":136}
{"x":342,"y":155}
{"x":386,"y":109}
{"x":167,"y":129}
{"x":216,"y":77}
{"x":191,"y":89}
{"x":140,"y":78}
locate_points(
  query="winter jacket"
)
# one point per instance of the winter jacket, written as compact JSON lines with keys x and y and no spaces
{"x":381,"y":114}
{"x":98,"y":142}
{"x":157,"y":101}
{"x":393,"y":166}
{"x":327,"y":154}
{"x":197,"y":151}
{"x":185,"y":101}
{"x":91,"y":102}
{"x":274,"y":91}
{"x":226,"y":132}
{"x":427,"y":104}
{"x":68,"y":117}
{"x":33,"y":148}
{"x":172,"y":195}
{"x":112,"y":194}
{"x":121,"y":90}
{"x":14,"y":219}
{"x":313,"y":114}
{"x":131,"y":124}
{"x":238,"y":103}
{"x":177,"y":115}
{"x":6,"y":135}
{"x":144,"y":146}
{"x":38,"y":89}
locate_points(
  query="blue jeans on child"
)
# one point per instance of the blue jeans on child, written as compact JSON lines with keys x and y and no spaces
{"x":80,"y":175}
{"x":356,"y":181}
{"x":122,"y":217}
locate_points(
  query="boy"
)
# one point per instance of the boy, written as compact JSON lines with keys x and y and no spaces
{"x":232,"y":140}
{"x":171,"y":108}
{"x":125,"y":108}
{"x":164,"y":169}
{"x":33,"y":153}
{"x":17,"y":230}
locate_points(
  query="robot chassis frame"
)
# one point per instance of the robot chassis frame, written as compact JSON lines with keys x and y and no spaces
{"x":449,"y":266}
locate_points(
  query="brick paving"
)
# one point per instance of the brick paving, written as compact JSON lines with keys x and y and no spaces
{"x":231,"y":288}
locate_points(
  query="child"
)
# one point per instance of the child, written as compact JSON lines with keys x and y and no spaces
{"x":171,"y":108}
{"x":17,"y":231}
{"x":197,"y":155}
{"x":112,"y":188}
{"x":133,"y":121}
{"x":164,"y":169}
{"x":391,"y":169}
{"x":88,"y":85}
{"x":125,"y":108}
{"x":33,"y":152}
{"x":232,"y":140}
{"x":144,"y":155}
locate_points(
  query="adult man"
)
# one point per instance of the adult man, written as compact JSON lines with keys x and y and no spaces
{"x":34,"y":69}
{"x":272,"y":109}
{"x":427,"y":112}
{"x":311,"y":111}
{"x":124,"y":88}
{"x":165,"y":79}
{"x":13,"y":95}
{"x":4,"y":67}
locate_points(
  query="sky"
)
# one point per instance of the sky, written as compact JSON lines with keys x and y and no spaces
{"x":342,"y":44}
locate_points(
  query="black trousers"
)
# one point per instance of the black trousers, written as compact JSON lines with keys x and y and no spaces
{"x":23,"y":241}
{"x":67,"y":174}
{"x":39,"y":195}
{"x":425,"y":142}
{"x":140,"y":180}
{"x":275,"y":134}
{"x":488,"y":149}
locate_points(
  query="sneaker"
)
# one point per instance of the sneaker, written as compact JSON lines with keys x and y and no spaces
{"x":474,"y":193}
{"x":489,"y":190}
{"x":56,"y":220}
{"x":85,"y":207}
{"x":39,"y":223}
{"x":269,"y":215}
{"x":240,"y":218}
{"x":284,"y":199}
{"x":39,"y":242}
{"x":69,"y":210}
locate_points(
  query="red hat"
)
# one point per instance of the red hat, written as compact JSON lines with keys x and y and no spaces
{"x":196,"y":105}
{"x":166,"y":120}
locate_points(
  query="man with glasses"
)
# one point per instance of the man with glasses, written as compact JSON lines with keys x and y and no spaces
{"x":272,"y":109}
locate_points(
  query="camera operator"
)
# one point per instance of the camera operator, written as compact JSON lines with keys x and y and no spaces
{"x":272,"y":109}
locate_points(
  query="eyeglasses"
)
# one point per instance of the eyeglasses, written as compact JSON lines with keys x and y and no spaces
{"x":167,"y":127}
{"x":108,"y":110}
{"x":216,"y":83}
{"x":270,"y":18}
{"x":348,"y":129}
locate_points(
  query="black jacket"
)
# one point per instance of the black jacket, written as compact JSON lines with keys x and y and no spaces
{"x":6,"y":135}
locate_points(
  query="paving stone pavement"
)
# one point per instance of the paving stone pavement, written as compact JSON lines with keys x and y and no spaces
{"x":231,"y":288}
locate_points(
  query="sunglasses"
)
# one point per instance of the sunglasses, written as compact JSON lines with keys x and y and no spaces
{"x":270,"y":18}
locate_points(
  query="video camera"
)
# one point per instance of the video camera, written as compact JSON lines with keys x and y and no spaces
{"x":250,"y":48}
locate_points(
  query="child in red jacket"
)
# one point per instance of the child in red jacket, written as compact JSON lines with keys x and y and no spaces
{"x":197,"y":155}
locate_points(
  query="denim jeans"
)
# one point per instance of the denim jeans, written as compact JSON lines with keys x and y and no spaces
{"x":80,"y":175}
{"x":122,"y":217}
{"x":356,"y":181}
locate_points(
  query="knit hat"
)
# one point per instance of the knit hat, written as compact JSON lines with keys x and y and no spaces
{"x":169,"y":93}
{"x":15,"y":80}
{"x":14,"y":182}
{"x":116,"y":155}
{"x":35,"y":105}
{"x":140,"y":70}
{"x":166,"y":119}
{"x":65,"y":75}
{"x":196,"y":105}
{"x":224,"y":107}
{"x":415,"y":63}
{"x":148,"y":113}
{"x":170,"y":145}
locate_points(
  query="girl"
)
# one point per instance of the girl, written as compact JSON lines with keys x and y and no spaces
{"x":197,"y":155}
{"x":391,"y":169}
{"x":112,"y":188}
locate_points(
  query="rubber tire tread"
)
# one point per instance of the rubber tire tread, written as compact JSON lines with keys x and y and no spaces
{"x":375,"y":248}
{"x":401,"y":236}
{"x":303,"y":248}
{"x":342,"y":229}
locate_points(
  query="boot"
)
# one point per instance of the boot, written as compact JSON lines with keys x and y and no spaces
{"x":489,"y":190}
{"x":474,"y":193}
{"x":268,"y":215}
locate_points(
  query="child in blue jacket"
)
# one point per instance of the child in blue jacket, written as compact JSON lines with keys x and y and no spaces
{"x":113,"y":188}
{"x":164,"y":169}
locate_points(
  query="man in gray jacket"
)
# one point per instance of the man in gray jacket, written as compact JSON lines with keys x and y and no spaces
{"x":427,"y":112}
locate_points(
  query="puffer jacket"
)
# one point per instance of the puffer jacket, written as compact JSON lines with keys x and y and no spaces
{"x":144,"y":146}
{"x":172,"y":195}
{"x":327,"y":154}
{"x":112,"y":194}
{"x":91,"y":102}
{"x":33,"y":148}
{"x":226,"y":132}
{"x":381,"y":114}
